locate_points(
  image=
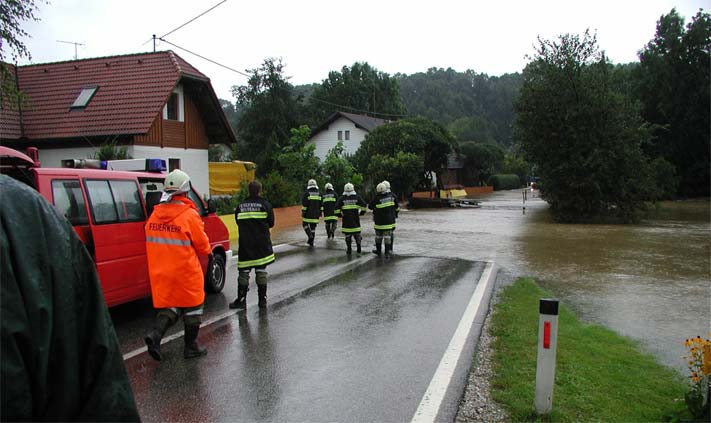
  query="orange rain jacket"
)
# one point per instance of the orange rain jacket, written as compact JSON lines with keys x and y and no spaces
{"x":175,"y":235}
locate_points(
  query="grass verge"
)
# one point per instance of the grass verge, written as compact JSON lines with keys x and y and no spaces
{"x":600,"y":375}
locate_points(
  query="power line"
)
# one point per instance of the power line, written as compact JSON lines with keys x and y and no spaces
{"x":354,"y":109}
{"x":205,"y":58}
{"x":170,"y":32}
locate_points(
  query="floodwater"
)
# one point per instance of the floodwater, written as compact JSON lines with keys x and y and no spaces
{"x":650,"y":281}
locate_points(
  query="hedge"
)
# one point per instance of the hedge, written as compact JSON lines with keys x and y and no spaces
{"x":504,"y":181}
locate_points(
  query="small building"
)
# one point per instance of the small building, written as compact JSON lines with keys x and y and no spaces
{"x":156,"y":105}
{"x":348,"y":128}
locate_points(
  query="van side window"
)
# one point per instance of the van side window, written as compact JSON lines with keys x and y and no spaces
{"x":198,"y":202}
{"x":115,"y":201}
{"x":68,"y":199}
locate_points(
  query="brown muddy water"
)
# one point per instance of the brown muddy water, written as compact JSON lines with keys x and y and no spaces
{"x":650,"y":281}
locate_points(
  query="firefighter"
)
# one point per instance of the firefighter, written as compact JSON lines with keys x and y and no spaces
{"x":328,"y":207}
{"x":254,"y":217}
{"x":175,"y":237}
{"x":350,"y":207}
{"x":383,"y":208}
{"x":311,"y":210}
{"x":397,"y":212}
{"x":61,"y":360}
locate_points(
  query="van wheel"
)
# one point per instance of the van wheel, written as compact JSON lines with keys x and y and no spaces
{"x":215,"y":275}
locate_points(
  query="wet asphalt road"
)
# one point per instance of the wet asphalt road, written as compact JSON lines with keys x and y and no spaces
{"x":343,"y":339}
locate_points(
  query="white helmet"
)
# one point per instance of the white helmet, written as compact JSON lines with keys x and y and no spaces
{"x":177,"y":182}
{"x":348,"y":189}
{"x":329,"y":186}
{"x":311,"y":184}
{"x":380,"y":188}
{"x":387,"y":186}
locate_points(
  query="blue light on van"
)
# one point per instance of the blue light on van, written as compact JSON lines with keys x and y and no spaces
{"x":155,"y":165}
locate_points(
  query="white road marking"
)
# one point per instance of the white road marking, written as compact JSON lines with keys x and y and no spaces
{"x":432,"y":400}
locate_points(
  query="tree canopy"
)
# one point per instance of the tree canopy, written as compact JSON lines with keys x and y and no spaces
{"x":416,"y":146}
{"x":269,"y":111}
{"x":358,"y":89}
{"x":673,"y":85}
{"x":583,"y":136}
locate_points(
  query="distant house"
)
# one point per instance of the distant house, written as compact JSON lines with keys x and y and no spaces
{"x":349,"y":128}
{"x":156,"y":105}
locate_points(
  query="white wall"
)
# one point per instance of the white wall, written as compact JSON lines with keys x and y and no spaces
{"x":192,"y":161}
{"x":328,"y":138}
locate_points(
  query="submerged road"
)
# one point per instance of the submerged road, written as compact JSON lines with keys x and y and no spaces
{"x":343,"y":339}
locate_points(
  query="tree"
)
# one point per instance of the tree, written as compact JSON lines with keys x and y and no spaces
{"x":480,"y":161}
{"x":673,"y":85}
{"x":338,"y":169}
{"x":358,"y":88}
{"x":428,"y":141}
{"x":12,"y":15}
{"x":584,"y":137}
{"x":294,"y":164}
{"x":269,"y":113}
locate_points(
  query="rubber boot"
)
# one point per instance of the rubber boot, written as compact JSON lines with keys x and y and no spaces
{"x":241,"y":301}
{"x":192,"y":349}
{"x":388,"y":251}
{"x":154,"y":337}
{"x":348,"y":247}
{"x":358,"y":239}
{"x":262,"y":294}
{"x":378,"y":247}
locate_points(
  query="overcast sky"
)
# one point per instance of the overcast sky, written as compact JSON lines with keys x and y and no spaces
{"x":315,"y":37}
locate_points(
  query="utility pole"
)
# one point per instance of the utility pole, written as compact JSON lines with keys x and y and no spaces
{"x":75,"y":46}
{"x":154,"y":43}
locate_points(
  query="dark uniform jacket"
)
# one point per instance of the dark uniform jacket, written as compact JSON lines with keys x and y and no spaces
{"x":397,"y":204}
{"x":328,"y":205}
{"x":60,"y":356}
{"x":254,"y":217}
{"x":350,"y":208}
{"x":383,"y":206}
{"x":311,"y":206}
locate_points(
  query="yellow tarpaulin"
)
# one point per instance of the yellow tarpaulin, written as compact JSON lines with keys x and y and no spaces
{"x":453,"y":193}
{"x":225,"y":178}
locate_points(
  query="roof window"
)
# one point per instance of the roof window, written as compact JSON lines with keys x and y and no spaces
{"x":84,"y":97}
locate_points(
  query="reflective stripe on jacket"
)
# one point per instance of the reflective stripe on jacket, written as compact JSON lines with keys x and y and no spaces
{"x":350,"y":208}
{"x":175,"y":236}
{"x":383,"y":206}
{"x":254,"y":217}
{"x":311,"y":206}
{"x":328,"y":205}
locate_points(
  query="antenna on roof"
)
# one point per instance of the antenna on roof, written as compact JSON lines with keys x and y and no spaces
{"x":75,"y":46}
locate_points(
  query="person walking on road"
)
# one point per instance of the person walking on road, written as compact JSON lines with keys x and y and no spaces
{"x":311,"y":210}
{"x":397,"y":212}
{"x":383,"y":208}
{"x":350,"y":207}
{"x":328,"y":207}
{"x":175,"y":238}
{"x":254,"y":217}
{"x":61,"y":359}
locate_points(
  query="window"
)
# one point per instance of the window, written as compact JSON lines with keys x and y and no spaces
{"x":172,"y":106}
{"x":198,"y":202}
{"x":340,"y":135}
{"x":348,"y":135}
{"x":69,"y":200}
{"x":115,"y":201}
{"x":86,"y":94}
{"x":173,"y":164}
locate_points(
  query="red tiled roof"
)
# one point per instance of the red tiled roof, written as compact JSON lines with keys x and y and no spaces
{"x":132,"y":91}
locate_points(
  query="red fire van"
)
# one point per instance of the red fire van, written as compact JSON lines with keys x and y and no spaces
{"x":108,"y":209}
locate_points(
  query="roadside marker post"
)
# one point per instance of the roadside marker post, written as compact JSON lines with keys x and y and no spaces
{"x":547,"y":346}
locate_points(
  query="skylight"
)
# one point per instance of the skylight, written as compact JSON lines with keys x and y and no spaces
{"x":84,"y":97}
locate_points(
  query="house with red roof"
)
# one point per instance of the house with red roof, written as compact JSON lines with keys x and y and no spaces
{"x":156,"y":105}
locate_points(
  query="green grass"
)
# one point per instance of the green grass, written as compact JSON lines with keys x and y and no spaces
{"x":600,"y":375}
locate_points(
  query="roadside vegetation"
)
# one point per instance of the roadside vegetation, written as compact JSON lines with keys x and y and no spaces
{"x":600,"y":375}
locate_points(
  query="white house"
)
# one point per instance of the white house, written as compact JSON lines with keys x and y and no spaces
{"x":349,"y":128}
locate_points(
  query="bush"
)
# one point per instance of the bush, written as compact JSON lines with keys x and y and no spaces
{"x":504,"y":181}
{"x":227,"y":204}
{"x":281,"y":192}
